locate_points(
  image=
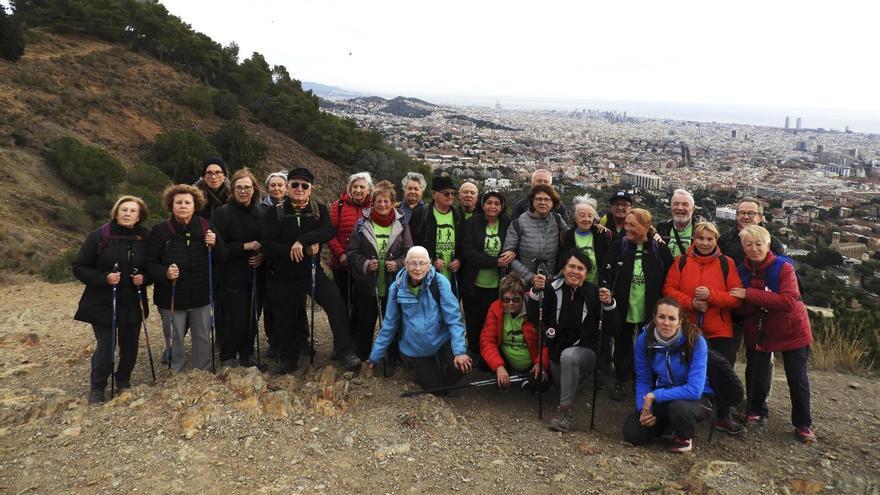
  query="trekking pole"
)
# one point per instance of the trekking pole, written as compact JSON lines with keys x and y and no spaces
{"x":113,"y":338}
{"x":541,"y":352}
{"x":211,"y":302}
{"x":458,"y":293}
{"x":481,"y":383}
{"x":171,"y":333}
{"x":599,"y":336}
{"x":144,"y":321}
{"x":312,"y":318}
{"x":254,"y":320}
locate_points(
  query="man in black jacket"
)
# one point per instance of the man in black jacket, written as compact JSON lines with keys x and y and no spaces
{"x":748,"y":212}
{"x":290,"y":231}
{"x":437,"y":228}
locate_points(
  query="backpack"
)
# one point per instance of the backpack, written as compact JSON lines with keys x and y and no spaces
{"x":771,"y":276}
{"x":106,"y":236}
{"x":725,"y":267}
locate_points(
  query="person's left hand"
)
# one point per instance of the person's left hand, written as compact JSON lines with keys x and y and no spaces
{"x":538,"y":373}
{"x":314,"y":249}
{"x":256,"y":260}
{"x":454,"y":265}
{"x":700,"y":305}
{"x":137,"y":280}
{"x":701,"y":292}
{"x":391,"y":266}
{"x":658,"y":238}
{"x":463,"y":363}
{"x":605,"y":296}
{"x":210,"y":239}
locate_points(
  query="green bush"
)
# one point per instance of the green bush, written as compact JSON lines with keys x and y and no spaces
{"x":59,"y":269}
{"x":226,"y":104}
{"x":98,"y":207}
{"x":147,"y":182}
{"x":238,"y":148}
{"x":73,"y":218}
{"x":199,"y":99}
{"x":180,"y":154}
{"x":11,"y":36}
{"x":88,"y":168}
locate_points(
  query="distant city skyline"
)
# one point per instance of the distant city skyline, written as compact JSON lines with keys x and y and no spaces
{"x":782,"y":54}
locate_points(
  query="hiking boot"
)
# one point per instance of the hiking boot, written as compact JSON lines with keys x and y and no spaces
{"x":729,"y":426}
{"x":122,"y":384}
{"x":96,"y":396}
{"x":350,"y":362}
{"x":562,"y":422}
{"x":619,"y":392}
{"x":805,"y":434}
{"x":681,"y":445}
{"x":287,"y":366}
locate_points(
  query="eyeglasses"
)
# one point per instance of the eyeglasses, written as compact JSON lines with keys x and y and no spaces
{"x":304,"y":185}
{"x":750,"y":214}
{"x":508,"y":300}
{"x":621,"y":205}
{"x":543,"y":200}
{"x":214,"y":173}
{"x":417,"y":263}
{"x":244,"y":188}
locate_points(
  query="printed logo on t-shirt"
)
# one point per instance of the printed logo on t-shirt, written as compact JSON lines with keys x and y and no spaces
{"x":445,"y":237}
{"x":382,"y":241}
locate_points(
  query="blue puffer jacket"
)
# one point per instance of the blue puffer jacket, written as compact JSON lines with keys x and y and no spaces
{"x":667,"y":374}
{"x":426,"y":327}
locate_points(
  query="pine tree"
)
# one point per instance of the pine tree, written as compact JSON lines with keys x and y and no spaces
{"x":11,"y":36}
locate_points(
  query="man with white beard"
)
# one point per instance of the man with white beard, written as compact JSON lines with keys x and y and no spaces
{"x":678,"y":231}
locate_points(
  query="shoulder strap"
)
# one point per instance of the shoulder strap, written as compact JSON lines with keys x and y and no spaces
{"x":105,"y":237}
{"x":771,"y":278}
{"x":205,"y":225}
{"x":677,"y":238}
{"x":170,"y":226}
{"x":279,"y":211}
{"x":435,"y":290}
{"x":725,"y":268}
{"x":683,"y":259}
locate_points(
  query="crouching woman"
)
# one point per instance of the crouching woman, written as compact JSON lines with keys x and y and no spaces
{"x":670,"y":360}
{"x":421,"y":305}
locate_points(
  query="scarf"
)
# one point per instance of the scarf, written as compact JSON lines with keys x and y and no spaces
{"x":666,"y":342}
{"x":382,"y":220}
{"x":298,"y":206}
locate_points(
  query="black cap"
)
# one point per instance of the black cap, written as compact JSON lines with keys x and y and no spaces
{"x":621,"y":195}
{"x":300,"y":173}
{"x":214,"y":160}
{"x":442,"y":183}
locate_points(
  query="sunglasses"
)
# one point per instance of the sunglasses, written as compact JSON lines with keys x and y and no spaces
{"x":508,"y":300}
{"x":448,"y":194}
{"x":296,"y":184}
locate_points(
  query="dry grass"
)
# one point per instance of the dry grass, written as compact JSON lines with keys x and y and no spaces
{"x":836,"y":349}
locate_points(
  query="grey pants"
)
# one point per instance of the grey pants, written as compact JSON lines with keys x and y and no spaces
{"x":575,"y":365}
{"x":200,"y":327}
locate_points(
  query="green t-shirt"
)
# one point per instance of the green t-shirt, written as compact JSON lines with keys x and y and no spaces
{"x":686,"y":236}
{"x":584,"y":242}
{"x":445,"y":239}
{"x":636,"y":311}
{"x":467,"y":214}
{"x":513,"y":344}
{"x":487,"y":278}
{"x":382,"y":235}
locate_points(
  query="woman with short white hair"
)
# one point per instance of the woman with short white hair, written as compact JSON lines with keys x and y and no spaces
{"x":588,"y":237}
{"x":422,"y":306}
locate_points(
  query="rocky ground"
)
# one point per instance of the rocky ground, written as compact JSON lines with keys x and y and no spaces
{"x":324,"y":431}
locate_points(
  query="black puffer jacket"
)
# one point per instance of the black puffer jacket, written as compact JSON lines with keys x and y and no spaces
{"x":423,"y":229}
{"x":127,"y":247}
{"x":237,"y":225}
{"x":283,"y":225}
{"x":184,"y":245}
{"x":575,"y":320}
{"x":656,"y":260}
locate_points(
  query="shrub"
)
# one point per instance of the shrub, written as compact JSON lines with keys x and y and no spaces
{"x":238,"y":148}
{"x":199,"y":99}
{"x":88,"y":168}
{"x":839,"y":349}
{"x":98,"y":207}
{"x":226,"y":104}
{"x":73,"y":218}
{"x":11,"y":36}
{"x":59,"y":269}
{"x":147,"y":182}
{"x":180,"y":154}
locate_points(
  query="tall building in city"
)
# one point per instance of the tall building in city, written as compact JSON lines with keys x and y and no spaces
{"x":642,"y":180}
{"x":733,"y":134}
{"x":787,"y":122}
{"x":797,"y":125}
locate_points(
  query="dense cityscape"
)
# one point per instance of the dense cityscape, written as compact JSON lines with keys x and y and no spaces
{"x":821,"y":187}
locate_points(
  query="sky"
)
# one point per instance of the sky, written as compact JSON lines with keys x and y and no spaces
{"x":760,"y":53}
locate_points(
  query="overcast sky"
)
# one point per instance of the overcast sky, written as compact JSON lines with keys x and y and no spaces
{"x":767,"y":52}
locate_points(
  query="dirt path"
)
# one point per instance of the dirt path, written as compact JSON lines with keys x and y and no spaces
{"x":325,"y":432}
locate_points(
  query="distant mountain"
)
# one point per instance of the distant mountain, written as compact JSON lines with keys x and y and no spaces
{"x":481,"y":123}
{"x":325,"y":91}
{"x":409,"y":107}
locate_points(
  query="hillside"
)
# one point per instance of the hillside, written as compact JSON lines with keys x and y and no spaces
{"x":320,"y":431}
{"x":108,"y":96}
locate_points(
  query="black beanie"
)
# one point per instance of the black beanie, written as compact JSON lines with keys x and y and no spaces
{"x":214,"y":160}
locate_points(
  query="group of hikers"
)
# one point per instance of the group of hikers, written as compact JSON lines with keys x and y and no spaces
{"x":538,"y":297}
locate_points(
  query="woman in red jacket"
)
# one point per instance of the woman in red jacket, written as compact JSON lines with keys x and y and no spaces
{"x":775,"y":321}
{"x":344,"y":215}
{"x":700,"y":280}
{"x":508,"y":342}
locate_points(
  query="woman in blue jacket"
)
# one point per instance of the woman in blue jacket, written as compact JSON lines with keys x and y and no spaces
{"x":670,"y":361}
{"x":421,"y":305}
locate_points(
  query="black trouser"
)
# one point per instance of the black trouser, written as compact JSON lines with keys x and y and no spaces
{"x":533,"y":384}
{"x":345,"y":283}
{"x":438,"y":370}
{"x":237,"y":340}
{"x":624,"y":363}
{"x":726,"y":346}
{"x":368,"y":313}
{"x":102,"y":362}
{"x":681,"y":415}
{"x":286,"y":299}
{"x":476,"y":306}
{"x":759,"y":374}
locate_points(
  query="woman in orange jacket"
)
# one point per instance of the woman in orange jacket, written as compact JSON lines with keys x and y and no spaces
{"x":508,"y":342}
{"x":700,"y":280}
